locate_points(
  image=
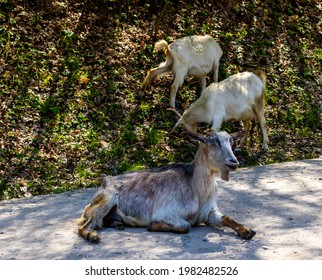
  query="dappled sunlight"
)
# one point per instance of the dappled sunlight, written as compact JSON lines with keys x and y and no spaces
{"x":71,"y":102}
{"x":72,"y":108}
{"x":275,"y":201}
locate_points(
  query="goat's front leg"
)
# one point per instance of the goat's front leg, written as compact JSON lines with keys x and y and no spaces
{"x":241,"y":230}
{"x":215,"y":218}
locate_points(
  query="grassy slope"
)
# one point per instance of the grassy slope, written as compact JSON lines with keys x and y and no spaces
{"x":70,"y":101}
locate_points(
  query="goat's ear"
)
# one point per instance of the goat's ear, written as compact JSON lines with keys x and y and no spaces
{"x":195,"y":136}
{"x":237,"y":135}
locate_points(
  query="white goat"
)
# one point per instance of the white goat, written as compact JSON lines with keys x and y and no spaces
{"x":189,"y":56}
{"x":240,"y":97}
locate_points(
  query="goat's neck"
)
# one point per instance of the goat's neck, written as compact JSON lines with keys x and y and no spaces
{"x":204,"y":174}
{"x":200,"y":111}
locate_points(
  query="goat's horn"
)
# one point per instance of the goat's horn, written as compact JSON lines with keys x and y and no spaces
{"x":176,"y":112}
{"x":176,"y":125}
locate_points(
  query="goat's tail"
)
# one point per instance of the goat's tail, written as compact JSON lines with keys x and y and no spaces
{"x":262,"y":75}
{"x":163,"y":67}
{"x":161,"y":46}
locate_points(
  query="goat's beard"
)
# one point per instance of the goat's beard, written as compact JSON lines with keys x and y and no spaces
{"x":224,"y":174}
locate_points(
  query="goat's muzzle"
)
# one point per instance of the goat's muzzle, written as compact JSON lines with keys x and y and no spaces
{"x":232,"y":164}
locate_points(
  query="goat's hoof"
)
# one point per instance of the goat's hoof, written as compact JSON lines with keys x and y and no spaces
{"x":94,"y":239}
{"x":247,"y":234}
{"x":117,"y":225}
{"x":143,"y":87}
{"x":264,"y":148}
{"x":120,"y":227}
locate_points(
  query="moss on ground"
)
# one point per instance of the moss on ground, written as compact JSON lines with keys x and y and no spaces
{"x":71,"y":106}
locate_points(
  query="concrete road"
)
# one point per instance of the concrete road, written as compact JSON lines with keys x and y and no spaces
{"x":281,"y":202}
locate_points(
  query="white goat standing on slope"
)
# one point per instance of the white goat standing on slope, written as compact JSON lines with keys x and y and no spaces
{"x":189,"y":56}
{"x":240,"y":97}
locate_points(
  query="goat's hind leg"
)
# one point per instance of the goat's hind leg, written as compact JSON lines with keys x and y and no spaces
{"x":178,"y":81}
{"x":247,"y":126}
{"x":173,"y":224}
{"x":155,"y":72}
{"x":152,"y":75}
{"x":262,"y":121}
{"x":114,"y":220}
{"x":94,"y":214}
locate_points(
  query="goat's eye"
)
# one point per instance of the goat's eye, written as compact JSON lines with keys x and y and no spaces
{"x":216,"y":142}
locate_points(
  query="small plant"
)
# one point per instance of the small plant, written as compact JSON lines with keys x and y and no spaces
{"x":70,"y":96}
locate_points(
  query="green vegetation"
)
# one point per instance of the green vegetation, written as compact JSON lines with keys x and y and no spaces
{"x":71,"y":107}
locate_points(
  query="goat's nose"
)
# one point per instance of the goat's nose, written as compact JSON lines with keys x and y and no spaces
{"x":232,"y":163}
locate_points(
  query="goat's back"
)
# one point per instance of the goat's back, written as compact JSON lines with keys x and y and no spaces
{"x":235,"y":96}
{"x":242,"y":86}
{"x":196,"y":52}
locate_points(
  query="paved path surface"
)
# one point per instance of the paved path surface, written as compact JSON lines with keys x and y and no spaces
{"x":282,"y":202}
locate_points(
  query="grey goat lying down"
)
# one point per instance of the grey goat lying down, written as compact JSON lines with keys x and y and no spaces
{"x":171,"y":198}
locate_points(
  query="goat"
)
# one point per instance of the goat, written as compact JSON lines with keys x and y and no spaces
{"x":170,"y":198}
{"x":189,"y":56}
{"x":239,"y":97}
